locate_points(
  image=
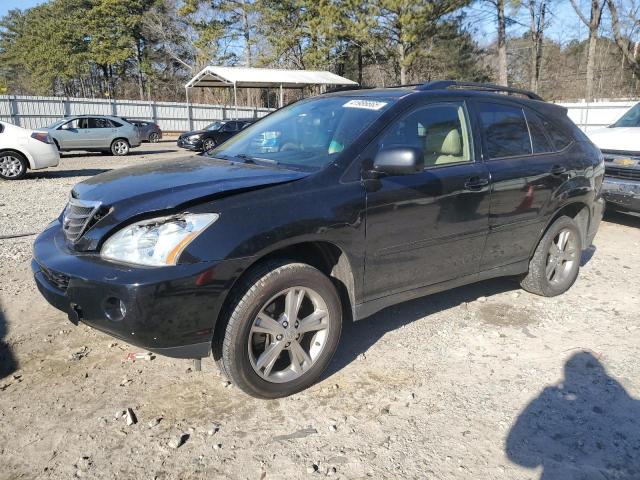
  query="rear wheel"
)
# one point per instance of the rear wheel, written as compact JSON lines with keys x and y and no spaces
{"x":119,"y":147}
{"x":555,"y":264}
{"x":282,"y":329}
{"x":154,"y":137}
{"x":13,"y":165}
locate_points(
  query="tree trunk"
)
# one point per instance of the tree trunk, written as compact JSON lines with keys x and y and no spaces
{"x":591,"y":55}
{"x":401,"y":60}
{"x":360,"y":66}
{"x":502,"y":44}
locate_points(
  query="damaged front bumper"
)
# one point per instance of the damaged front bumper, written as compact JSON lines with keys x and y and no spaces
{"x":171,"y":311}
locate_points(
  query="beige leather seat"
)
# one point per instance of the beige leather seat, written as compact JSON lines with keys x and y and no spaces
{"x":443,"y":145}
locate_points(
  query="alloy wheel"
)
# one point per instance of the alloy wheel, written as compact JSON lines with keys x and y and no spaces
{"x":120,"y":147}
{"x":289,"y":334}
{"x":11,"y":166}
{"x":208,"y":145}
{"x":154,"y":138}
{"x":563,"y":254}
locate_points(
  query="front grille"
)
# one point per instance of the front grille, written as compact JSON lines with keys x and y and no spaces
{"x":78,"y":217}
{"x":621,"y":172}
{"x":57,"y":279}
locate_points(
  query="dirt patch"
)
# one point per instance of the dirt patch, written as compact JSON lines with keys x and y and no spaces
{"x":504,"y":314}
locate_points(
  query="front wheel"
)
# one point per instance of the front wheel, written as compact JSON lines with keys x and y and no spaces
{"x":208,"y":144}
{"x":120,"y":147}
{"x":282,"y":329}
{"x":555,"y":264}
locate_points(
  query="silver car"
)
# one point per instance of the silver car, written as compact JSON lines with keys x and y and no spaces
{"x":94,"y":133}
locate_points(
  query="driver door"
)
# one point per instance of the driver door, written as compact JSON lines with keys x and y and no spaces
{"x":430,"y":226}
{"x":73,"y":134}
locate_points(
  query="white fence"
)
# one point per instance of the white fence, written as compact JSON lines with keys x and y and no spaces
{"x":38,"y":112}
{"x":590,"y":116}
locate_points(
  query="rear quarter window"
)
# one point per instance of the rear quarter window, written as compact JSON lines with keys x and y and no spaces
{"x":115,"y":124}
{"x":558,"y":136}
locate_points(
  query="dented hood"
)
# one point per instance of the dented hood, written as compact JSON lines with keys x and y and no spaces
{"x":168,"y":184}
{"x":134,"y":192}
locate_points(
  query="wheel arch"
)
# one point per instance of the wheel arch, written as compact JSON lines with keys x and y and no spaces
{"x":29,"y":158}
{"x":578,"y":211}
{"x":326,"y":256}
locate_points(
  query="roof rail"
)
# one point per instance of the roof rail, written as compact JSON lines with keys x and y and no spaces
{"x":487,"y":87}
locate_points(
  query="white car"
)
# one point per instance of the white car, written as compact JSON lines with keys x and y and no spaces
{"x":622,"y":136}
{"x":620,"y":145}
{"x":22,"y":149}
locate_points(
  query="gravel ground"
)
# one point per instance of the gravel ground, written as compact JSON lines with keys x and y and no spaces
{"x":485,"y":381}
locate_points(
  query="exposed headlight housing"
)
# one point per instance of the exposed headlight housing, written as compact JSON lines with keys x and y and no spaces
{"x":156,"y":242}
{"x":193,"y":138}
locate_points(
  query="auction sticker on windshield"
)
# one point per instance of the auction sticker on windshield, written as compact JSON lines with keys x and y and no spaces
{"x":366,"y":104}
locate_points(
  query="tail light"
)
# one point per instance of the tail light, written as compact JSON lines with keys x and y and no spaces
{"x":42,"y":137}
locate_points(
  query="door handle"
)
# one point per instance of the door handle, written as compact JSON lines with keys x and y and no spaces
{"x":558,"y":170}
{"x":476,"y":183}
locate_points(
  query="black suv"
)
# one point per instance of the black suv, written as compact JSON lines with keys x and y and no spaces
{"x":212,"y":135}
{"x":332,"y":208}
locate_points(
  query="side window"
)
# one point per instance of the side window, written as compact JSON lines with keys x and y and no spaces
{"x":74,"y":124}
{"x":114,"y":124}
{"x":99,"y":123}
{"x":539,"y":137}
{"x":440,"y":131}
{"x":558,"y":137}
{"x":505,"y":130}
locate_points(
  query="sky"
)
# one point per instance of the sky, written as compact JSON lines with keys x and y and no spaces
{"x":6,"y":5}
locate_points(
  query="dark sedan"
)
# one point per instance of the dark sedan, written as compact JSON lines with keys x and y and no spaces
{"x":212,"y":135}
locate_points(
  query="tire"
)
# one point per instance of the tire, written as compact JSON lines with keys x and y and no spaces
{"x":154,"y":137}
{"x":120,"y":147}
{"x":241,"y":343}
{"x":13,"y":166}
{"x":208,"y":144}
{"x":554,"y":267}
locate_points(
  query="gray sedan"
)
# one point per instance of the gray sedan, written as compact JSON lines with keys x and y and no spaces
{"x":95,"y":133}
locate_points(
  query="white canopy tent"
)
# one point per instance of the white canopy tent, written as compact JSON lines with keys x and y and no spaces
{"x":245,"y":77}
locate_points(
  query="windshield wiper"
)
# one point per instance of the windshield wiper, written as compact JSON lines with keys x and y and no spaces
{"x":254,"y":160}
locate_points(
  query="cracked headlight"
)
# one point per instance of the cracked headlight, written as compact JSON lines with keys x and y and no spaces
{"x":156,"y":242}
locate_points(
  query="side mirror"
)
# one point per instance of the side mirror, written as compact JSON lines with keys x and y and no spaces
{"x":399,"y":161}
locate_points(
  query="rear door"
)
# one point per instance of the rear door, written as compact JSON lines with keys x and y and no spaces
{"x":100,"y":132}
{"x":430,"y":226}
{"x":525,"y":172}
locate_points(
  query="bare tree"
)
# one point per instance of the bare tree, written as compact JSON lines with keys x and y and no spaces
{"x":593,"y":24}
{"x":630,"y":52}
{"x":537,"y":19}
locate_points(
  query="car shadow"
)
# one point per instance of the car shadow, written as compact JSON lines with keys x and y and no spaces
{"x":358,"y":337}
{"x":585,"y":427}
{"x":8,"y":364}
{"x":622,"y":218}
{"x":81,"y":172}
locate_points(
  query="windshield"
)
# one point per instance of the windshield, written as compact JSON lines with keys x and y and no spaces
{"x":58,"y":123}
{"x":307,"y":134}
{"x":630,"y":119}
{"x":213,"y":126}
